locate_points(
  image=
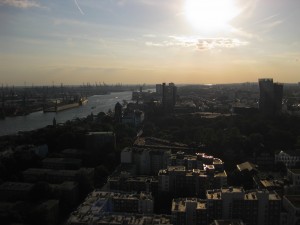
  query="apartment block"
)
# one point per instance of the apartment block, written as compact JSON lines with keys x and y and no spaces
{"x":147,"y":161}
{"x":256,"y":207}
{"x":125,"y":182}
{"x":98,"y":204}
{"x":178,"y":180}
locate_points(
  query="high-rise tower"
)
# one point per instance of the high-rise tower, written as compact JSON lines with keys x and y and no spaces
{"x":270,"y":98}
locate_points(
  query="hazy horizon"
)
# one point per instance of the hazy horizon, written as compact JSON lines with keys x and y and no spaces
{"x":148,"y":41}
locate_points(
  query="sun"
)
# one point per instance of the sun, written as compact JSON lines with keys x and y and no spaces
{"x":210,"y":15}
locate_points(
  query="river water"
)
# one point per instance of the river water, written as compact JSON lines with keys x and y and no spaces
{"x":95,"y":104}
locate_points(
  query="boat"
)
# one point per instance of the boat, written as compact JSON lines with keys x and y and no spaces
{"x":83,"y":101}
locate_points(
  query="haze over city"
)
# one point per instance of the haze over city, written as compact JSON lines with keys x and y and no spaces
{"x":148,"y":41}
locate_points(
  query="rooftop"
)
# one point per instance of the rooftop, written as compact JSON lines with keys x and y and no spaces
{"x":179,"y":205}
{"x":247,"y":166}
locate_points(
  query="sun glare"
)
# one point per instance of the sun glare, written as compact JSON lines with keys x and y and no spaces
{"x":210,"y":15}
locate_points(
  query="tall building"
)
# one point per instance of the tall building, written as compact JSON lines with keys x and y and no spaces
{"x":159,"y":89}
{"x":118,"y":113}
{"x":168,"y":94}
{"x":270,"y":99}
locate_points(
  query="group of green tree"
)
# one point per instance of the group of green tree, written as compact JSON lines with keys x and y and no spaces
{"x":233,"y":138}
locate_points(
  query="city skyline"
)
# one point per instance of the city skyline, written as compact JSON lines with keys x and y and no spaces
{"x":148,"y":41}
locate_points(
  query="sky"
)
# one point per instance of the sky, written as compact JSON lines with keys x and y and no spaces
{"x":148,"y":41}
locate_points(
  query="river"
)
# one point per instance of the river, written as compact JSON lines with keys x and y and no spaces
{"x":95,"y":104}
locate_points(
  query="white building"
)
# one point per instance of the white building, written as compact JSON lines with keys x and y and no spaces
{"x":289,"y":158}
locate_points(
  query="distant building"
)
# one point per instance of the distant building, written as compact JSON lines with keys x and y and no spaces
{"x":169,"y":96}
{"x":134,"y":118}
{"x":289,"y":158}
{"x":270,"y":99}
{"x":147,"y":161}
{"x":159,"y":89}
{"x":118,"y":113}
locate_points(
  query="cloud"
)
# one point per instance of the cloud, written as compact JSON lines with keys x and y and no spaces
{"x":149,"y":35}
{"x":215,"y":43}
{"x":20,"y":3}
{"x":200,"y":43}
{"x":246,"y":34}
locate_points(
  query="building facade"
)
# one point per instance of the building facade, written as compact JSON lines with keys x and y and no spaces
{"x":289,"y":158}
{"x":270,"y":98}
{"x":256,"y":207}
{"x":179,"y":181}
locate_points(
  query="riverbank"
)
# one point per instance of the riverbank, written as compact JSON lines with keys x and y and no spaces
{"x":32,"y":121}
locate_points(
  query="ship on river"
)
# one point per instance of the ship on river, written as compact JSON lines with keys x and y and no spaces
{"x":61,"y":106}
